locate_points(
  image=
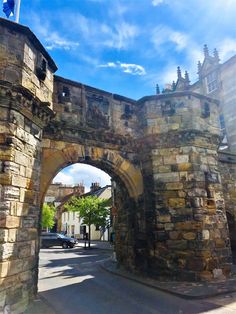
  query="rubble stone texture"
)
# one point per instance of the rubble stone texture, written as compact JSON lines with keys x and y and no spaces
{"x":162,"y":152}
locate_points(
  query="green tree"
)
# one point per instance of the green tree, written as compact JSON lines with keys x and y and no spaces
{"x":93,"y":211}
{"x":48,"y":216}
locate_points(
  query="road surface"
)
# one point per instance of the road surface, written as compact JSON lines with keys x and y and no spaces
{"x":73,"y":282}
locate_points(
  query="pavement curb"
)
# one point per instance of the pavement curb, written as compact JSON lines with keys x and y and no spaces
{"x":184,"y":290}
{"x":40,"y":306}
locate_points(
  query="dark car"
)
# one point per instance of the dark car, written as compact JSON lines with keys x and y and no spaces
{"x":49,"y":239}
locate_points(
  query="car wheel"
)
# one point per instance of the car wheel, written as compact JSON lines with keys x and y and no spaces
{"x":64,"y":245}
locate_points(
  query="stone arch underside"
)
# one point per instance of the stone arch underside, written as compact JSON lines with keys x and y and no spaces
{"x":130,"y":220}
{"x":57,"y":155}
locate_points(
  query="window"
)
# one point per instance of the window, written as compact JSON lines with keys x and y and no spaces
{"x":211,"y":81}
{"x":205,"y":110}
{"x":222,"y":122}
{"x":65,"y":92}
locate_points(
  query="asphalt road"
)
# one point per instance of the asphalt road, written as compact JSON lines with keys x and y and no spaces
{"x":72,"y":282}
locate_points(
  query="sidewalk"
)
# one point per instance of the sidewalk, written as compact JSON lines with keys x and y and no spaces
{"x":187,"y":290}
{"x":39,"y":306}
{"x":102,"y":245}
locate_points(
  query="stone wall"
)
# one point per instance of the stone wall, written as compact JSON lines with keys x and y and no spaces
{"x":228,"y":173}
{"x":20,"y":160}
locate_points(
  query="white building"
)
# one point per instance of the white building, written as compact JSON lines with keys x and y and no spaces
{"x":72,"y":225}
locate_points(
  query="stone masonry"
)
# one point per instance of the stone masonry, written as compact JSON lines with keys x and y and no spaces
{"x":161,"y":152}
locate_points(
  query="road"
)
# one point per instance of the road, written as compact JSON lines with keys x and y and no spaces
{"x":73,"y":282}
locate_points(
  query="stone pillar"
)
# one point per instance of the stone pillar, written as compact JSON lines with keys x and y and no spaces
{"x":188,"y":235}
{"x":21,"y":121}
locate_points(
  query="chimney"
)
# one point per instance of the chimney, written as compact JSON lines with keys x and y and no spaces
{"x":94,"y":186}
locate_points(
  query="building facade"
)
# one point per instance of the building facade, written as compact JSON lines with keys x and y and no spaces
{"x":173,"y":186}
{"x":72,"y":225}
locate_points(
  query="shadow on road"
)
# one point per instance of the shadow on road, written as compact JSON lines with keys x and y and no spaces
{"x":72,"y":282}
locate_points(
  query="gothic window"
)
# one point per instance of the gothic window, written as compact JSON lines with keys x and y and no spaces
{"x":222,"y":122}
{"x":127,"y":110}
{"x":206,"y":110}
{"x":168,"y":108}
{"x":41,"y":69}
{"x":211,"y":81}
{"x":66,"y":92}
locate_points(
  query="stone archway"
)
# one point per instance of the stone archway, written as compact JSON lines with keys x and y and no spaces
{"x":57,"y":155}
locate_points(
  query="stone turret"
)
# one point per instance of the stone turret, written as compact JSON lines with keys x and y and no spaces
{"x":26,"y":85}
{"x":26,"y":62}
{"x":186,"y":206}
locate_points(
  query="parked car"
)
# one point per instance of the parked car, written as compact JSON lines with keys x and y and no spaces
{"x":49,"y":239}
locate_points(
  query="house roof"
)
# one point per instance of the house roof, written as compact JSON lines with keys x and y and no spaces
{"x":97,"y":193}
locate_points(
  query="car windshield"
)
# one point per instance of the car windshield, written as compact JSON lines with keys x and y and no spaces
{"x":61,"y":236}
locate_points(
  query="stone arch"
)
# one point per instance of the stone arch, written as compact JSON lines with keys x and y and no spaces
{"x":57,"y":155}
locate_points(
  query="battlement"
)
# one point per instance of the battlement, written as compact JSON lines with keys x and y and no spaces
{"x":24,"y":60}
{"x":178,"y":111}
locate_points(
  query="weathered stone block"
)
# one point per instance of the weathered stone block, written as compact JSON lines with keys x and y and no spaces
{"x":189,"y":235}
{"x":4,"y":267}
{"x":167,"y":177}
{"x":185,"y":167}
{"x":177,"y":202}
{"x":174,"y":186}
{"x":177,"y":244}
{"x":182,"y":159}
{"x":175,"y":235}
{"x":188,"y":225}
{"x":168,"y":160}
{"x":163,"y":218}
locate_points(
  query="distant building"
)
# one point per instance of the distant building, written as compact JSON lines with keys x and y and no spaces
{"x":70,"y":222}
{"x":57,"y":192}
{"x":216,"y":80}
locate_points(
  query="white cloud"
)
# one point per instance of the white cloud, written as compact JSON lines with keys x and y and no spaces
{"x":227,"y":48}
{"x":55,"y":41}
{"x":157,"y":2}
{"x":163,"y":35}
{"x":52,"y":39}
{"x":82,"y":173}
{"x":129,"y":68}
{"x":118,"y":34}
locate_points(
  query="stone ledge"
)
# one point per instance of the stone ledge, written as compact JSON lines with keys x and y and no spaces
{"x":186,"y":290}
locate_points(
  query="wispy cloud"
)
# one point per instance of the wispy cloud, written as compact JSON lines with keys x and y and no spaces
{"x":157,"y":2}
{"x":55,"y":41}
{"x":51,"y":38}
{"x":227,"y":48}
{"x":118,"y":35}
{"x":129,"y":68}
{"x":163,"y":35}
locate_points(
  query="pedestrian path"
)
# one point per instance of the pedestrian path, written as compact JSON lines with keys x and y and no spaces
{"x":188,"y":290}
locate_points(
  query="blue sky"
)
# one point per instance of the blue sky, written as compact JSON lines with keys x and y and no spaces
{"x":127,"y":46}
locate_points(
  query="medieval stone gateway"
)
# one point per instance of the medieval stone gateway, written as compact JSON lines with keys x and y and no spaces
{"x":162,"y":151}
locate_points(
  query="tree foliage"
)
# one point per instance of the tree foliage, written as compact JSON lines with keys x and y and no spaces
{"x":92,"y":210}
{"x":48,"y":216}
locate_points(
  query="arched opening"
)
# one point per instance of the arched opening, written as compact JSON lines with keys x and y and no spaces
{"x":128,"y":194}
{"x":78,"y":180}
